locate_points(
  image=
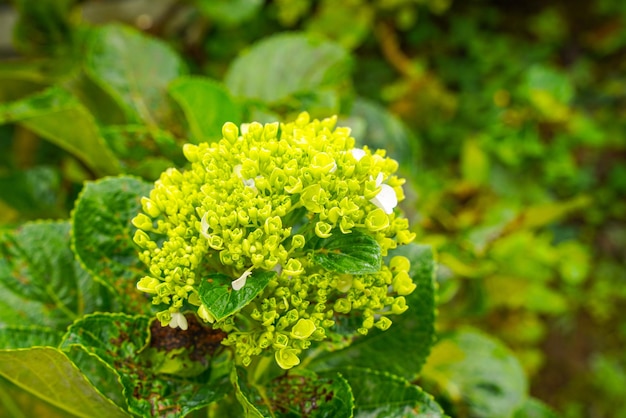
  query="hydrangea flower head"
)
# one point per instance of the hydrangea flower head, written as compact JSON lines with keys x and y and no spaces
{"x":265,"y":199}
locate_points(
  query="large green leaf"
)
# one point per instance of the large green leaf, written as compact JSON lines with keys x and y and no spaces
{"x":534,"y":408}
{"x":287,"y":64}
{"x":478,"y":372}
{"x":119,"y":339}
{"x":404,"y":347}
{"x":217,"y":294}
{"x":295,"y":394}
{"x":354,"y":253}
{"x":41,"y":282}
{"x":50,"y":375}
{"x":102,"y":235}
{"x":16,"y":402}
{"x":383,"y":395}
{"x":207,"y":106}
{"x":59,"y":117}
{"x":135,"y":70}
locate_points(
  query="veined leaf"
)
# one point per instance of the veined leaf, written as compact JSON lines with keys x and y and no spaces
{"x":41,"y":282}
{"x":404,"y":347}
{"x":287,"y":64}
{"x":384,"y":395}
{"x":217,"y":294}
{"x":48,"y":374}
{"x":102,"y":235}
{"x":135,"y":70}
{"x":60,"y":118}
{"x":26,"y":337}
{"x":207,"y":106}
{"x":119,"y":340}
{"x":295,"y":394}
{"x":354,"y":253}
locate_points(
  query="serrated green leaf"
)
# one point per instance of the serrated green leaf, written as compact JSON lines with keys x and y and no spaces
{"x":118,"y":339}
{"x":295,"y":394}
{"x":60,"y":118}
{"x":217,"y":294}
{"x":99,"y":373}
{"x":102,"y":235}
{"x":42,"y":283}
{"x":286,"y":64}
{"x":35,"y":192}
{"x":404,"y":347}
{"x":26,"y":337}
{"x":207,"y":106}
{"x":354,"y":253}
{"x":479,"y":373}
{"x":383,"y":395}
{"x":47,"y":373}
{"x":135,"y":70}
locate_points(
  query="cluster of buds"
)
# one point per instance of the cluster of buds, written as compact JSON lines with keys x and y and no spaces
{"x":257,"y":200}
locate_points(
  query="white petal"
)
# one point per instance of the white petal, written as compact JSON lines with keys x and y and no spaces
{"x":386,"y":199}
{"x":241,"y":281}
{"x":379,"y":179}
{"x":332,"y":170}
{"x":179,"y":320}
{"x":237,"y":170}
{"x":204,"y":226}
{"x":358,"y":153}
{"x":244,"y":128}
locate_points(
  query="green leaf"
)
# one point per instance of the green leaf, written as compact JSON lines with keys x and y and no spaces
{"x":16,"y":402}
{"x":135,"y":70}
{"x":295,"y":394}
{"x":384,"y":395}
{"x":378,"y":128}
{"x":479,"y":373}
{"x":286,"y":64}
{"x":50,"y":375}
{"x":217,"y":294}
{"x":26,"y":337}
{"x":44,"y":26}
{"x":35,"y":192}
{"x":41,"y":282}
{"x":404,"y":347}
{"x":229,"y":12}
{"x":59,"y":117}
{"x":144,"y":152}
{"x":99,"y":374}
{"x":102,"y":235}
{"x":207,"y":106}
{"x":534,"y":408}
{"x":119,"y":340}
{"x":354,"y":253}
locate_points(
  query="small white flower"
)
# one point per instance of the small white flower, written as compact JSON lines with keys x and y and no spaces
{"x":244,"y":128}
{"x":358,"y":153}
{"x":241,"y":281}
{"x":179,"y":320}
{"x":386,"y":199}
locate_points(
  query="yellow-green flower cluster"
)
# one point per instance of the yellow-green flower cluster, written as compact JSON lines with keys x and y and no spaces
{"x":256,"y":200}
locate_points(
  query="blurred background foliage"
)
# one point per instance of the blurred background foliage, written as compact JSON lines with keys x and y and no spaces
{"x":508,"y":118}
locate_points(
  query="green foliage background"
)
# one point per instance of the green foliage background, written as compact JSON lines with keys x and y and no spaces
{"x":508,"y":119}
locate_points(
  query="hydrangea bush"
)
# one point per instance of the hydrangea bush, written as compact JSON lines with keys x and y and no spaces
{"x":290,"y":222}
